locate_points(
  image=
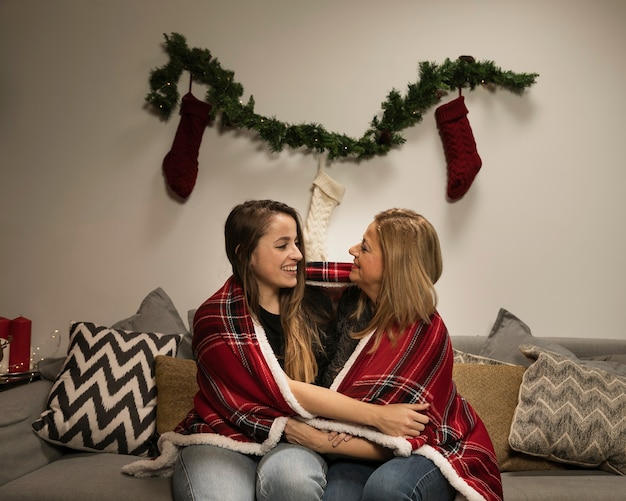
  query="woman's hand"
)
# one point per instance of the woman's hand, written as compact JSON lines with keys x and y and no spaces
{"x":401,"y":420}
{"x":337,"y":444}
{"x":297,"y":432}
{"x":337,"y":438}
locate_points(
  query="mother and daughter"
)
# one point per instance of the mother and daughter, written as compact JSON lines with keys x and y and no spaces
{"x":391,"y":425}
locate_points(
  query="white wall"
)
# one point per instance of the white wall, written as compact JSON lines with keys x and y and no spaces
{"x":88,"y":228}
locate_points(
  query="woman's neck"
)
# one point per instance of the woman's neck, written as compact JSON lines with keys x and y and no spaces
{"x":269,"y":299}
{"x":270,"y":304}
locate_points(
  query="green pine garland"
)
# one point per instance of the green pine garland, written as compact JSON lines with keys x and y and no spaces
{"x":224,"y":94}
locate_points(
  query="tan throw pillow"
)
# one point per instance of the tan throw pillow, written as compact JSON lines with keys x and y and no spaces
{"x":176,"y":387}
{"x":492,"y":391}
{"x":571,"y":412}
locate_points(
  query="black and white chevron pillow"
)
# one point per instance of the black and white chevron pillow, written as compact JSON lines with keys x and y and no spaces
{"x":104,"y":398}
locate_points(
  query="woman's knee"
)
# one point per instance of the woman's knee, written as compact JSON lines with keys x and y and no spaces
{"x":410,"y":479}
{"x":206,"y":472}
{"x":291,"y":472}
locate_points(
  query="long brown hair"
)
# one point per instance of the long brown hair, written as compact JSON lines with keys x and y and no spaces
{"x":412,"y":264}
{"x":244,"y":227}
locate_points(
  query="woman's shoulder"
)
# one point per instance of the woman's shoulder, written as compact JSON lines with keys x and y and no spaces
{"x":349,"y":297}
{"x":437,"y":322}
{"x":230,"y":293}
{"x":318,"y":298}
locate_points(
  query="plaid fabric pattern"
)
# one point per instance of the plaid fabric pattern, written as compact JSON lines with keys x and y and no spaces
{"x":418,"y":368}
{"x":238,"y":375}
{"x":328,"y":273}
{"x":244,"y":399}
{"x":239,"y":396}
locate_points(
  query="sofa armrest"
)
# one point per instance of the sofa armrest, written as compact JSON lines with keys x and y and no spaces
{"x":21,"y":450}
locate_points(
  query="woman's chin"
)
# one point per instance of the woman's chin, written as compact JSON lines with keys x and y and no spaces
{"x":354,"y":275}
{"x":290,"y":283}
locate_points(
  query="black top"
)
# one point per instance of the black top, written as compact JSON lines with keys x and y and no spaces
{"x":319,"y":302}
{"x":275,"y":334}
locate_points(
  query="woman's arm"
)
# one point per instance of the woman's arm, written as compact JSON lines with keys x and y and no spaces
{"x":297,"y":432}
{"x":399,"y":420}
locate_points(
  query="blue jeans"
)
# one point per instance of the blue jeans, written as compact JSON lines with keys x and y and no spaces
{"x":402,"y":478}
{"x":288,"y":472}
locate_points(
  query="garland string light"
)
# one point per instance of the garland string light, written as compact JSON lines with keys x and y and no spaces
{"x":399,"y":111}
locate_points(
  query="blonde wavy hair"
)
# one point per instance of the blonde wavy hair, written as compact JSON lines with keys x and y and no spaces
{"x":412,"y":264}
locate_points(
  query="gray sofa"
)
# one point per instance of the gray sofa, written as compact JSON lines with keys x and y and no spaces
{"x":559,"y":481}
{"x":35,"y":470}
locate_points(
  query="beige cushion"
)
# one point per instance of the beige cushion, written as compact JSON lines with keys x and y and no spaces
{"x":176,"y":387}
{"x":492,"y":391}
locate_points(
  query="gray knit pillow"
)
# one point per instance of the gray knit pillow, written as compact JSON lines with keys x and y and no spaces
{"x":570,"y":412}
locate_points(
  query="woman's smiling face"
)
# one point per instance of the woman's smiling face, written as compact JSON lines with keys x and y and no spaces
{"x":367,"y":268}
{"x":276,"y":256}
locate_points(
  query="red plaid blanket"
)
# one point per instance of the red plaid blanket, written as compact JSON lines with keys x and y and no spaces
{"x":244,"y":399}
{"x":243,"y":389}
{"x":419,"y":369}
{"x":328,"y":273}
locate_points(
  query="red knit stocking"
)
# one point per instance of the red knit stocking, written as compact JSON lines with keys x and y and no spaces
{"x":180,"y":165}
{"x":459,"y":146}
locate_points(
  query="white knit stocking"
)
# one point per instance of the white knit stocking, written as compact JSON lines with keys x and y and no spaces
{"x":327,"y":194}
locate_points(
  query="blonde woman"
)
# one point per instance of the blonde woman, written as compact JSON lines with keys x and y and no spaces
{"x":402,"y":353}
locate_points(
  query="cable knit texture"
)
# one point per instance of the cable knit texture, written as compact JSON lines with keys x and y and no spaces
{"x":459,"y":147}
{"x":327,"y":194}
{"x":180,"y":165}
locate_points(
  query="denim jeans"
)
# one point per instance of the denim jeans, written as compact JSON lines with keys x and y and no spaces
{"x":288,"y":472}
{"x":402,"y":478}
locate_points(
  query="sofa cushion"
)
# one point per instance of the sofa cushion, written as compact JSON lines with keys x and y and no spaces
{"x":50,"y":368}
{"x":507,"y":334}
{"x":461,"y":357}
{"x":563,"y":485}
{"x":157,"y":313}
{"x":612,"y":358}
{"x":85,"y":476}
{"x":20,"y":449}
{"x":571,"y":412}
{"x":104,"y":399}
{"x":615,"y":363}
{"x":176,"y":388}
{"x":491,"y":389}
